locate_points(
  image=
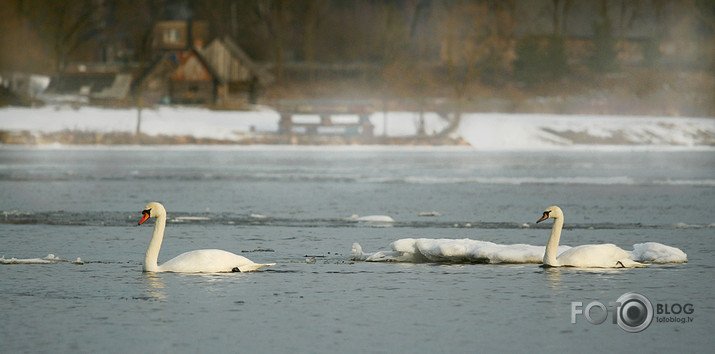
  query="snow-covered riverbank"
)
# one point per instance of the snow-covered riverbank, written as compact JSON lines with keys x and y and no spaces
{"x":490,"y":131}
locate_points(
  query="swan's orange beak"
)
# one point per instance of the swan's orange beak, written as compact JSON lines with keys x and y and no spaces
{"x":543,"y":217}
{"x":145,"y":216}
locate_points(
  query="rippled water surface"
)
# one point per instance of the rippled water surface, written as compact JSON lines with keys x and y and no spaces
{"x":294,"y":207}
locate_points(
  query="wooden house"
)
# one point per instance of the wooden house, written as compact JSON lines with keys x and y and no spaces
{"x":235,"y":69}
{"x":194,"y":80}
{"x":185,"y":72}
{"x":182,"y":77}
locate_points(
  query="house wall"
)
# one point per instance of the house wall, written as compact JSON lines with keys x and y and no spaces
{"x":191,"y":82}
{"x":155,"y":89}
{"x":192,"y":91}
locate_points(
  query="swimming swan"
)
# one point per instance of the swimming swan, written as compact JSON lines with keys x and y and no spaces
{"x":597,"y":256}
{"x":200,"y":261}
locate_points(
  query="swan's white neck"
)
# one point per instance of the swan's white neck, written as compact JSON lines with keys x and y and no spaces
{"x":552,"y":246}
{"x":152,"y":252}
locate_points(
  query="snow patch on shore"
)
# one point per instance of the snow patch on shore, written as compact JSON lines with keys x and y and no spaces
{"x":483,"y":131}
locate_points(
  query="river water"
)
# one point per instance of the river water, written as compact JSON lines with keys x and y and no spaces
{"x":296,"y":207}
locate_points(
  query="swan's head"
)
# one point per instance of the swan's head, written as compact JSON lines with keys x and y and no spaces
{"x":152,"y":210}
{"x":552,"y":212}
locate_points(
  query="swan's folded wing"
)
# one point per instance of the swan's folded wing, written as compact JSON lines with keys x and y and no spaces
{"x":594,"y":256}
{"x":209,"y":261}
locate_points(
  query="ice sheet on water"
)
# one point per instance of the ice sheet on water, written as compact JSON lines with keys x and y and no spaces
{"x":453,"y":251}
{"x":371,"y":220}
{"x":375,"y":218}
{"x":49,"y":259}
{"x":653,"y":252}
{"x":474,"y":251}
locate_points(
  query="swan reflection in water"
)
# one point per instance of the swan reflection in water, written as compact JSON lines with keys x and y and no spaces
{"x":553,"y":277}
{"x":154,"y":286}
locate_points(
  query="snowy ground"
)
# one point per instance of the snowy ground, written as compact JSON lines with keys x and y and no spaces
{"x":491,"y":131}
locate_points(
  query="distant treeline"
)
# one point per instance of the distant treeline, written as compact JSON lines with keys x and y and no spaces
{"x":466,"y":37}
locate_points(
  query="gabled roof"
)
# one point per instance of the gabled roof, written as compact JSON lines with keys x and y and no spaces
{"x":81,"y":83}
{"x":264,"y":77}
{"x":206,"y":64}
{"x":118,"y":90}
{"x":164,"y":61}
{"x":171,"y":61}
{"x":103,"y":85}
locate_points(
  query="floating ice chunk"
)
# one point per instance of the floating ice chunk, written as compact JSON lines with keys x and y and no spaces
{"x":356,"y":254}
{"x":653,"y":252}
{"x":453,"y":251}
{"x":49,"y":259}
{"x":258,"y":216}
{"x":375,"y":218}
{"x":372,"y":220}
{"x":474,"y":251}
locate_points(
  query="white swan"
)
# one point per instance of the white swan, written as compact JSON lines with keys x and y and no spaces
{"x":589,"y":256}
{"x":200,"y":261}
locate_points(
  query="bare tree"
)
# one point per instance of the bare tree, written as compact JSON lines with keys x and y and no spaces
{"x":274,"y":15}
{"x":21,"y":46}
{"x":312,"y":14}
{"x":476,"y":35}
{"x":138,"y":18}
{"x":65,"y":26}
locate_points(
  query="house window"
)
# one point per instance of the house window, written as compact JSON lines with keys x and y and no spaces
{"x":172,"y":35}
{"x":194,"y":88}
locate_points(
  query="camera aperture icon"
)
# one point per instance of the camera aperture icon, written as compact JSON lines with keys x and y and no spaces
{"x":635,"y":312}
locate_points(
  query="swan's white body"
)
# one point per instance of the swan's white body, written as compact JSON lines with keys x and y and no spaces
{"x":200,"y":261}
{"x":606,"y":255}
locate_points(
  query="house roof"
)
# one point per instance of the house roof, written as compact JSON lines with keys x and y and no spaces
{"x":81,"y":83}
{"x":264,"y":77}
{"x":162,"y":61}
{"x":171,"y":61}
{"x":207,"y":65}
{"x":119,"y":88}
{"x":93,"y":85}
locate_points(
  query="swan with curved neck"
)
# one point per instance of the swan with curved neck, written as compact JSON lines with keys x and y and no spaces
{"x":200,"y":261}
{"x":605,"y":255}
